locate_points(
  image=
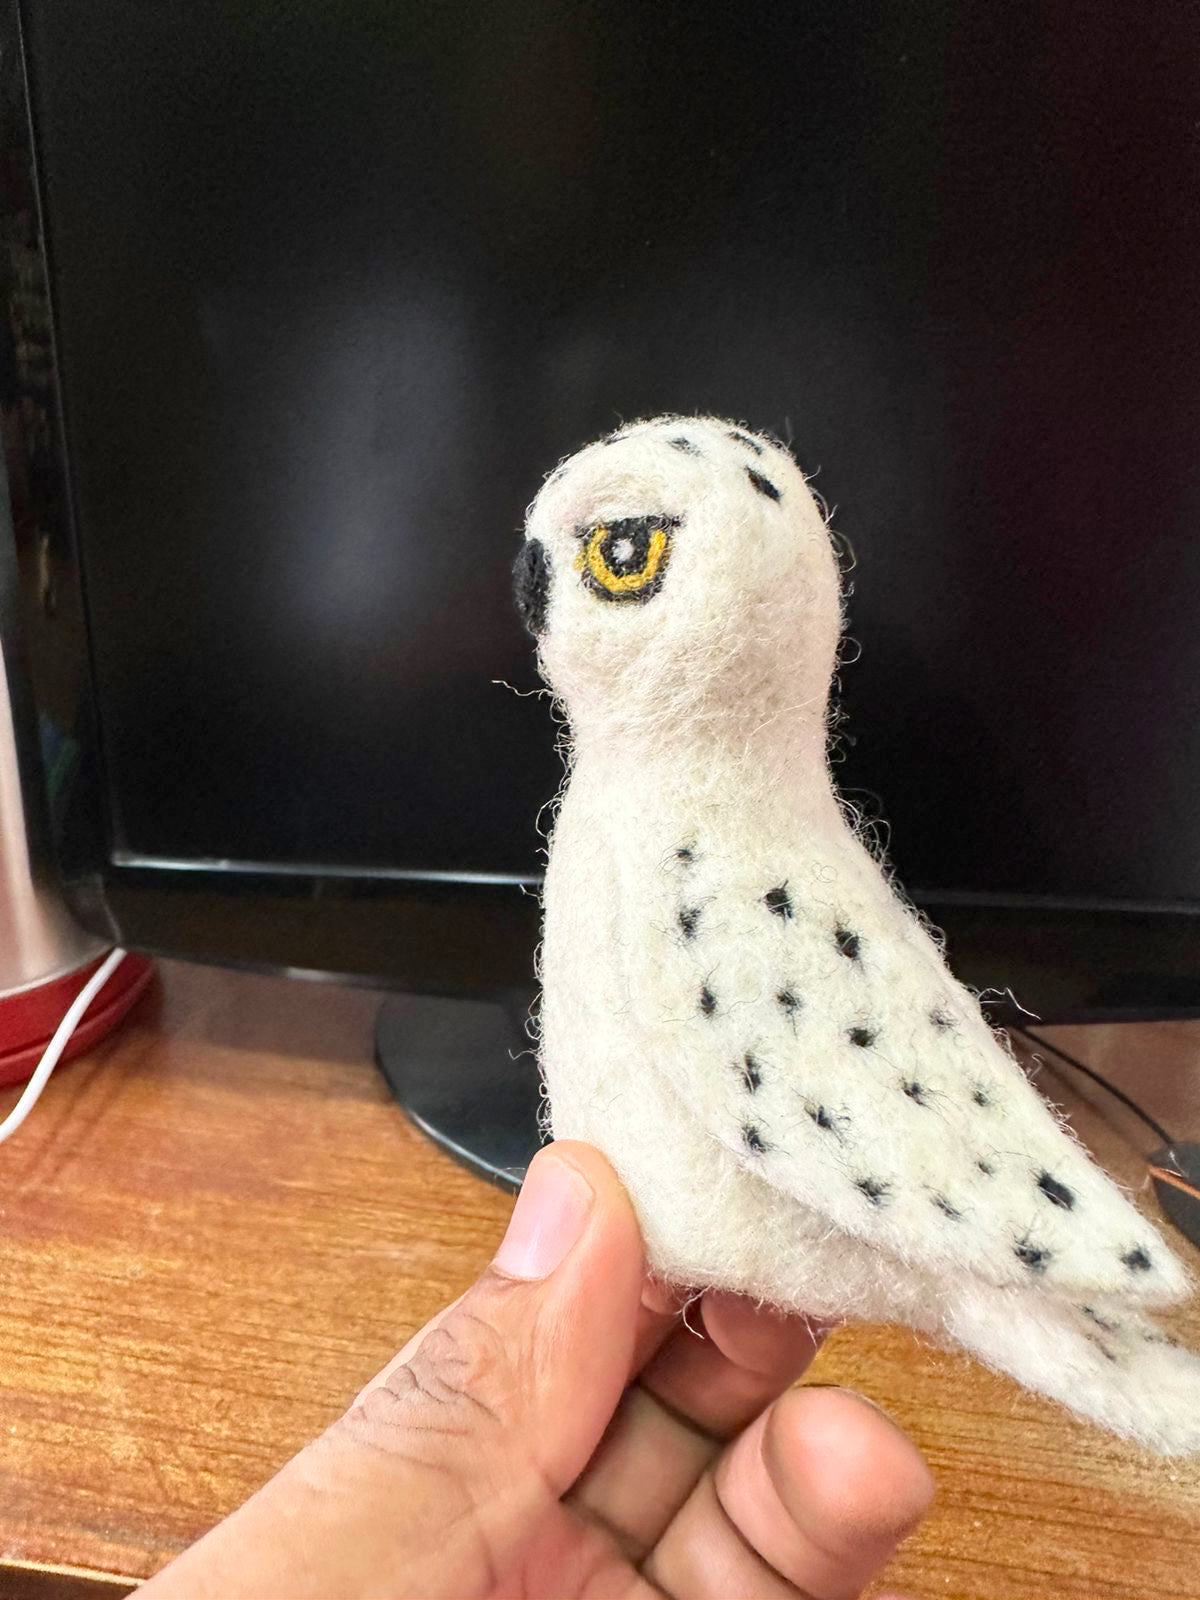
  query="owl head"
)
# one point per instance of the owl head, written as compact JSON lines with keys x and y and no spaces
{"x":680,"y":568}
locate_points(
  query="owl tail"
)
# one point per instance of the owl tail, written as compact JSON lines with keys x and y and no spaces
{"x":1099,"y":1359}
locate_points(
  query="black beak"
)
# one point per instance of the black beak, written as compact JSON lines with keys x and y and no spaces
{"x":531,"y":585}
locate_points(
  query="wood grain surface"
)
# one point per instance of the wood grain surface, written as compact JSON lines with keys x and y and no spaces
{"x":218,"y":1226}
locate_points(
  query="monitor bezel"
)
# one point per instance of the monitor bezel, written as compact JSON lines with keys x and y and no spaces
{"x":1062,"y":960}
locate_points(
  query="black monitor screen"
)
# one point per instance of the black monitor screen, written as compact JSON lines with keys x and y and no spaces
{"x":335,"y":285}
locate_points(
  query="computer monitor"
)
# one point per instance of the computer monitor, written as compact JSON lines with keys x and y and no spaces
{"x":304,"y":299}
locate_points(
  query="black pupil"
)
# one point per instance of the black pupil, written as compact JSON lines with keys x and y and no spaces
{"x":626,"y":549}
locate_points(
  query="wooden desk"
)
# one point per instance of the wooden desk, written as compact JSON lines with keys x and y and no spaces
{"x":218,"y":1226}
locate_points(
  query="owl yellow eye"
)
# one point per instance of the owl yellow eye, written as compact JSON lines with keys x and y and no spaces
{"x":626,"y":559}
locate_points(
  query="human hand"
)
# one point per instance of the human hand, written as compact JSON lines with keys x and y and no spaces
{"x":558,"y":1434}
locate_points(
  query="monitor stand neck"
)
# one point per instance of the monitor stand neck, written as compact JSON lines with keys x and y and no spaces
{"x":465,"y":1072}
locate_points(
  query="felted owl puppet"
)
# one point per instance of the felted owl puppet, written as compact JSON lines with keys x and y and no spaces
{"x":765,"y":1041}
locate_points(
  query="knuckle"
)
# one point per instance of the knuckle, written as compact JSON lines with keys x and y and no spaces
{"x":461,"y":1381}
{"x":450,"y":1416}
{"x":465,"y":1363}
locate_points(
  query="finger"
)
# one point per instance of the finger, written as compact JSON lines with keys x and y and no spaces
{"x":693,"y":1394}
{"x":821,"y":1489}
{"x":658,"y":1316}
{"x":745,"y":1356}
{"x":702,"y":1556}
{"x":658,"y":1319}
{"x":851,"y":1486}
{"x":510,"y":1391}
{"x":403,"y":1356}
{"x":459,"y":1453}
{"x":646,"y":1466}
{"x":539,"y":1350}
{"x":812,"y":1498}
{"x":503,"y":1397}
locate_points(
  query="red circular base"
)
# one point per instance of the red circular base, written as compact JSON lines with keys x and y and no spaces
{"x":28,"y":1020}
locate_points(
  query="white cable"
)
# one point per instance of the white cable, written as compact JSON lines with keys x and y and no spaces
{"x":58,"y":1044}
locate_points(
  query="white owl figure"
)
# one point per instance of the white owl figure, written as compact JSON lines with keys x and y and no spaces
{"x":738,"y":1010}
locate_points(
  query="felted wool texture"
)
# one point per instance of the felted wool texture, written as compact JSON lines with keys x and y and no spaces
{"x":739,"y":1009}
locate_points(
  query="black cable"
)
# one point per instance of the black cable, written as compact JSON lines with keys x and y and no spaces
{"x":1090,"y":1072}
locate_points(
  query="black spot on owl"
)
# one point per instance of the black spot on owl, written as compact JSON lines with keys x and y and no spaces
{"x":1100,"y":1345}
{"x":779,"y":901}
{"x":849,"y":944}
{"x":1136,"y":1260}
{"x":986,"y":1168}
{"x":789,"y":1001}
{"x":941,"y":1019}
{"x":1102,"y":1323}
{"x":916,"y":1092}
{"x":686,"y":446}
{"x":753,"y":1139}
{"x":864,"y":1038}
{"x":875,"y":1191}
{"x":708,"y":1001}
{"x":822,"y":1118}
{"x":751,"y":1072}
{"x":1157,"y":1336}
{"x":945,"y":1207}
{"x":980,"y":1096}
{"x":744,"y":438}
{"x":689,"y":921}
{"x":685,"y":855}
{"x":1057,"y":1193}
{"x":1034,"y":1256}
{"x":763,"y":485}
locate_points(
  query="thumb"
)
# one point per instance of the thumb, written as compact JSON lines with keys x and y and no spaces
{"x":447,"y":1465}
{"x":523,"y":1373}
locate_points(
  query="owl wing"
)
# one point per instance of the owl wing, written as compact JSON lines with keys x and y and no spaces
{"x":807,"y":1020}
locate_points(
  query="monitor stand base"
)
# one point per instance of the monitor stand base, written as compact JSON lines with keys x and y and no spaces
{"x":464,"y":1071}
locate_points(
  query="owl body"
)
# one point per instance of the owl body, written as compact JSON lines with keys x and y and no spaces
{"x":740,"y":1010}
{"x":618,"y":881}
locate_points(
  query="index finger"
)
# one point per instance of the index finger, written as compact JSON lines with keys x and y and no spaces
{"x":696,"y":1389}
{"x":719,"y":1378}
